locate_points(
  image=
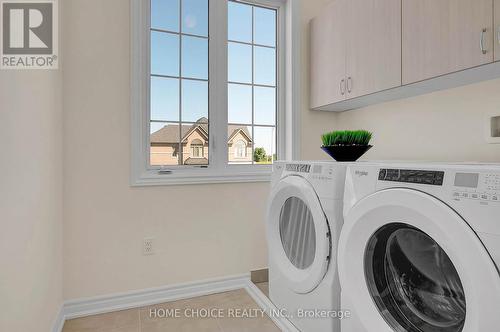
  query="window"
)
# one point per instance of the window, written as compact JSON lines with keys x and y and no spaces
{"x":240,"y":149}
{"x":209,"y":100}
{"x":252,"y":82}
{"x":179,"y":80}
{"x":197,"y":149}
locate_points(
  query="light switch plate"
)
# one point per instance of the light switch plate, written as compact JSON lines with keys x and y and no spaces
{"x":492,"y":128}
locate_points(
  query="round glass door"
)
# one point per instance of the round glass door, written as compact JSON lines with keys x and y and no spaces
{"x":413,"y":282}
{"x":297,"y":233}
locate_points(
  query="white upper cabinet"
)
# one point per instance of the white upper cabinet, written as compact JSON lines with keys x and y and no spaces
{"x":327,"y":55}
{"x":365,"y":52}
{"x":373,"y":46}
{"x":355,"y":50}
{"x":496,"y":32}
{"x":445,"y":36}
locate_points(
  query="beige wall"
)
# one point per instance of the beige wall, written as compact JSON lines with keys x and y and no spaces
{"x":200,"y":231}
{"x":106,"y":220}
{"x":442,"y":126}
{"x":30,"y":200}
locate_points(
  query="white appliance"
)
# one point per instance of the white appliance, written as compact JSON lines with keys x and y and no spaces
{"x":303,"y":225}
{"x":420,"y":248}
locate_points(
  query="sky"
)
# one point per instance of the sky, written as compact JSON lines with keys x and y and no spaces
{"x":193,"y":63}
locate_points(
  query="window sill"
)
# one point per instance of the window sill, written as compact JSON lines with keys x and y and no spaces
{"x":200,"y":176}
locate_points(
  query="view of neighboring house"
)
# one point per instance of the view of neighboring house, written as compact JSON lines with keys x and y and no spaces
{"x":194,"y":144}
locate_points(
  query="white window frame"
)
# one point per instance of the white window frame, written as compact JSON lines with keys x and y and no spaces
{"x":218,"y":170}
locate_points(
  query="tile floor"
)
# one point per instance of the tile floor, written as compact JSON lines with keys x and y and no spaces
{"x":139,"y":320}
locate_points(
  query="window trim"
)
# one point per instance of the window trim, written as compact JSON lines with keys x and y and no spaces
{"x":218,"y":171}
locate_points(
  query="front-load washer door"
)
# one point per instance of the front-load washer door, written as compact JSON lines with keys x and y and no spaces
{"x":298,"y":234}
{"x":409,"y":263}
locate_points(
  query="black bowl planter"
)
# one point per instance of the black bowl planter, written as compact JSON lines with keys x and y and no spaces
{"x":346,"y":152}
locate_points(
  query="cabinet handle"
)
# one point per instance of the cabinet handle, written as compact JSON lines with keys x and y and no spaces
{"x":481,"y":42}
{"x":349,"y":84}
{"x":498,"y":34}
{"x":342,"y":87}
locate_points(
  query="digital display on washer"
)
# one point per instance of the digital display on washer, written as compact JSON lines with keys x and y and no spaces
{"x":301,"y":168}
{"x":434,"y":178}
{"x":467,"y":180}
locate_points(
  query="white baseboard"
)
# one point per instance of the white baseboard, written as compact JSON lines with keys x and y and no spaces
{"x":59,"y":323}
{"x":135,"y":299}
{"x":265,"y":303}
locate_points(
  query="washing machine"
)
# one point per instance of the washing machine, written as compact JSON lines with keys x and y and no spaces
{"x":420,"y":248}
{"x":304,"y":220}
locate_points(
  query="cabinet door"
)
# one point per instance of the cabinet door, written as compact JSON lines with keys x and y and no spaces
{"x":444,"y":36}
{"x":496,"y":32}
{"x":327,"y":55}
{"x":373,"y":46}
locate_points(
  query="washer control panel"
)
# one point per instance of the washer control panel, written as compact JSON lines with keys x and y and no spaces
{"x":320,"y":172}
{"x":483,"y":187}
{"x":298,"y":168}
{"x":492,"y":182}
{"x":434,"y":178}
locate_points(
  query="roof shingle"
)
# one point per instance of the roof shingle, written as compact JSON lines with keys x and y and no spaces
{"x":169,"y":134}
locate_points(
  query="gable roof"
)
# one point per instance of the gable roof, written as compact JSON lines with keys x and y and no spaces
{"x":234,"y":130}
{"x":169,"y":134}
{"x":201,"y":126}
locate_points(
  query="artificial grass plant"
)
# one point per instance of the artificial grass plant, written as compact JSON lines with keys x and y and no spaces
{"x":347,"y":138}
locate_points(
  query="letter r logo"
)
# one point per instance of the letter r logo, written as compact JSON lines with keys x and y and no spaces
{"x":27,"y":27}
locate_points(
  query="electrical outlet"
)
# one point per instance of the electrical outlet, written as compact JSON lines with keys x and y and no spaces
{"x":148,"y":246}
